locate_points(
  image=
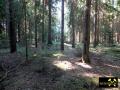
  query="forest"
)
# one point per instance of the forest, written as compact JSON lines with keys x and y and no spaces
{"x":59,"y":44}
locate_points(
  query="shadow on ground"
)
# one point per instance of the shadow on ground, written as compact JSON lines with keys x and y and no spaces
{"x":61,"y":71}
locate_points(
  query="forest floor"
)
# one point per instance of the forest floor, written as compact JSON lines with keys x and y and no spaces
{"x":55,"y":70}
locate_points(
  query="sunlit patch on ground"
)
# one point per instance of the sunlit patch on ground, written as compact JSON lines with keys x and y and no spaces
{"x":91,"y":75}
{"x":117,"y":67}
{"x":68,"y":44}
{"x":58,"y":55}
{"x":64,"y":65}
{"x":84,"y":65}
{"x":34,"y":55}
{"x":32,"y":46}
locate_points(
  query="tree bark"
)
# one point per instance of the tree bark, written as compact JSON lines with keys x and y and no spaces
{"x":96,"y":33}
{"x":43,"y":41}
{"x":49,"y":29}
{"x":19,"y":31}
{"x":35,"y":7}
{"x":86,"y":35}
{"x":62,"y":26}
{"x":73,"y":25}
{"x":26,"y":41}
{"x":12,"y":32}
{"x":112,"y":31}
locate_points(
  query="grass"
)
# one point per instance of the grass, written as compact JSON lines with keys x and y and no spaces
{"x":77,"y":83}
{"x":114,"y":52}
{"x":6,"y":50}
{"x":111,"y":51}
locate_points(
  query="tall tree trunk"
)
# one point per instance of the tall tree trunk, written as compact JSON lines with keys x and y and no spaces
{"x":19,"y":31}
{"x":49,"y":29}
{"x":35,"y":7}
{"x":86,"y":36}
{"x":26,"y":42}
{"x":96,"y":34}
{"x":62,"y":26}
{"x":98,"y":22}
{"x":73,"y":25}
{"x":12,"y":32}
{"x":118,"y":37}
{"x":43,"y":38}
{"x":7,"y":13}
{"x":112,"y":31}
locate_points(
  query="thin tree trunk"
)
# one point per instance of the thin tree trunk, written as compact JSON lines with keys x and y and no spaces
{"x":96,"y":35}
{"x":35,"y":25}
{"x":62,"y":27}
{"x":43,"y":41}
{"x":73,"y":25}
{"x":49,"y":29}
{"x":26,"y":42}
{"x":19,"y":31}
{"x":7,"y":16}
{"x":112,"y":31}
{"x":98,"y":22}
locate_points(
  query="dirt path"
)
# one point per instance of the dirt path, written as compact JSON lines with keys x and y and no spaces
{"x":60,"y":72}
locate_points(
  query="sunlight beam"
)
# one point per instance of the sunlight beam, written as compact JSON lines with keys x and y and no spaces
{"x":64,"y":65}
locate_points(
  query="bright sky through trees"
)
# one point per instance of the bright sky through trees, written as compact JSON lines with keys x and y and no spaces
{"x":59,"y":15}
